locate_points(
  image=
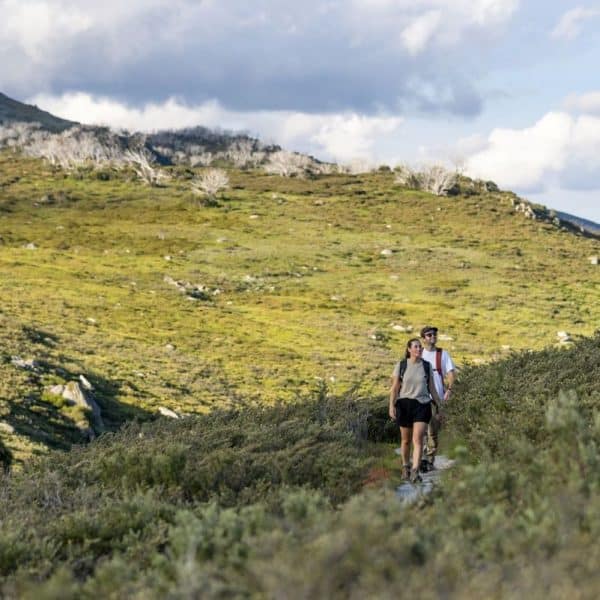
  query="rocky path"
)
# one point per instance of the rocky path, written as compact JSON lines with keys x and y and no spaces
{"x":411,"y":492}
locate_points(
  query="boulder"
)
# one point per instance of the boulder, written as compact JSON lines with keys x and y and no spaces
{"x":167,"y":412}
{"x":85,"y":383}
{"x":6,"y":427}
{"x":28,"y":364}
{"x":75,"y":396}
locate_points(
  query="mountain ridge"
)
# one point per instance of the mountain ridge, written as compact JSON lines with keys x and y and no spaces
{"x":14,"y":111}
{"x":167,"y":144}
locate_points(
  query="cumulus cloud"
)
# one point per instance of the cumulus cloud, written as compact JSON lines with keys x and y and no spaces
{"x":584,"y":103}
{"x":571,"y":23}
{"x":357,"y":56}
{"x":338,"y":136}
{"x":558,"y":150}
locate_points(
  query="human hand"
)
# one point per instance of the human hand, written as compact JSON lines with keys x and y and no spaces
{"x":392,"y":412}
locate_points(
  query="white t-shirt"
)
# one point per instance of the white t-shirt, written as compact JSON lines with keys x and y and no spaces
{"x":447,"y":365}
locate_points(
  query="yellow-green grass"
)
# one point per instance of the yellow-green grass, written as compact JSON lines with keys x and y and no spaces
{"x":303,"y":293}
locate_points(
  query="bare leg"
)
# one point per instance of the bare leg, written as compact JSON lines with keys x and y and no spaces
{"x":433,"y":433}
{"x":419,"y":429}
{"x":406,"y":433}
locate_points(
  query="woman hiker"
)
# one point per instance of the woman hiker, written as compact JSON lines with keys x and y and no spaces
{"x":410,"y":405}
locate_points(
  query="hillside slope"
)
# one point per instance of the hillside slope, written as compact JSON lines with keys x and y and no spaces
{"x":285,"y":285}
{"x":256,"y":502}
{"x":15,"y":111}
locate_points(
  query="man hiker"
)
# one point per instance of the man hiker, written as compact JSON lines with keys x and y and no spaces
{"x":443,"y":370}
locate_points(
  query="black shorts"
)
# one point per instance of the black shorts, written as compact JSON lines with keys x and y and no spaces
{"x":409,"y":411}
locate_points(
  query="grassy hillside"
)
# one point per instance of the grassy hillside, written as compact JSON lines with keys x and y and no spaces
{"x":282,"y":287}
{"x":297,"y":500}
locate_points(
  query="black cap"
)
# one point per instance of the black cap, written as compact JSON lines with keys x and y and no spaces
{"x":427,"y":329}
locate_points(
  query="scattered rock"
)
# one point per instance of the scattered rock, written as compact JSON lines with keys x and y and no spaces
{"x":30,"y":246}
{"x":74,"y":395}
{"x":28,"y":364}
{"x":386,"y":252}
{"x":6,"y":427}
{"x":564,"y":337}
{"x":254,"y":217}
{"x":57,"y":390}
{"x":167,"y":412}
{"x":169,"y":347}
{"x":167,"y":257}
{"x":445,"y":338}
{"x":405,"y":328}
{"x":85,"y":383}
{"x":91,"y":321}
{"x":593,"y":260}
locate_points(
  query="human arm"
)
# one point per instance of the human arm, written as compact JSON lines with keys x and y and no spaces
{"x":433,"y":391}
{"x":396,"y":384}
{"x":451,"y":378}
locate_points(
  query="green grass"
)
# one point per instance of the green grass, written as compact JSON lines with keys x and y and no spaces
{"x":280,"y":482}
{"x":298,"y":295}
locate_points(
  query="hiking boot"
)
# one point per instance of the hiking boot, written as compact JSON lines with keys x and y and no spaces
{"x":405,"y":472}
{"x":426,"y":465}
{"x":415,"y":476}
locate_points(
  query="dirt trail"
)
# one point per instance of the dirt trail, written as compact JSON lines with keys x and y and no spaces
{"x":411,"y":492}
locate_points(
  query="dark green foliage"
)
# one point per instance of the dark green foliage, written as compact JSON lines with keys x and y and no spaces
{"x":258,"y":502}
{"x":510,"y":398}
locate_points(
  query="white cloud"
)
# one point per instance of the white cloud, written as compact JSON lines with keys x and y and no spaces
{"x":571,"y":23}
{"x":270,"y":54}
{"x":350,"y":136}
{"x":525,"y":158}
{"x":417,"y":35}
{"x":585,"y":103}
{"x":559,"y":149}
{"x":339,"y":136}
{"x":36,"y":25}
{"x":427,"y":23}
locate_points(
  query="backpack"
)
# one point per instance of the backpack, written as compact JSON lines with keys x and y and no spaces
{"x":426,"y":367}
{"x":438,"y":365}
{"x":403,"y":364}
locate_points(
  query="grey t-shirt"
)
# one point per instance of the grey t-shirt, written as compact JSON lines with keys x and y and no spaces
{"x":414,"y":384}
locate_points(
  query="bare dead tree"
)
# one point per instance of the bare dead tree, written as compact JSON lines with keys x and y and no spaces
{"x":357,"y":166}
{"x":209,"y":183}
{"x":407,"y":177}
{"x":202,"y":159}
{"x":287,"y":164}
{"x":437,"y":180}
{"x":143,"y":164}
{"x":434,"y":179}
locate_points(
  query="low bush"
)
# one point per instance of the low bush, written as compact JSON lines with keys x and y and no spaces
{"x":263,"y":503}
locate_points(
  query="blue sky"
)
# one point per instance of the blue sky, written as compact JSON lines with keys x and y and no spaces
{"x":506,"y":89}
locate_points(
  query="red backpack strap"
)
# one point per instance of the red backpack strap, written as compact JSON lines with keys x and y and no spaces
{"x":438,"y":361}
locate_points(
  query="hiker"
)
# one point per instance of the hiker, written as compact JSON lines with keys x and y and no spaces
{"x":410,"y":405}
{"x":443,"y":369}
